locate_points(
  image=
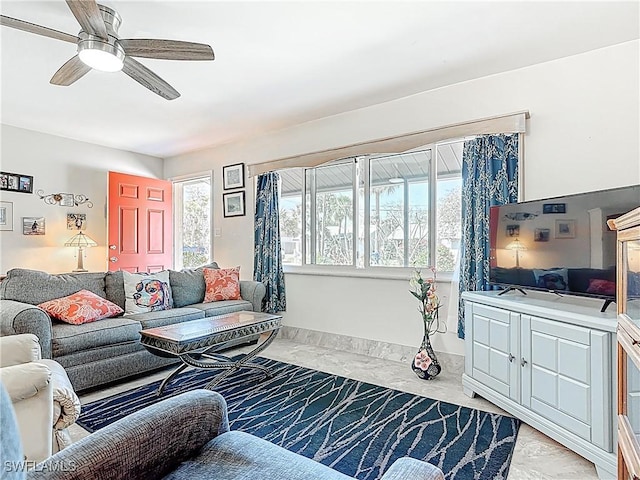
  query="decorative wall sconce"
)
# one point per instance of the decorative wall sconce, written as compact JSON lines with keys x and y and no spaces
{"x":65,"y":199}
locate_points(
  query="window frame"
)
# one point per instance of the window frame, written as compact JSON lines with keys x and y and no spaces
{"x":361,"y":173}
{"x":178,"y":208}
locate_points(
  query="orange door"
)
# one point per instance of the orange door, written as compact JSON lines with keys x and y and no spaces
{"x":140,"y":223}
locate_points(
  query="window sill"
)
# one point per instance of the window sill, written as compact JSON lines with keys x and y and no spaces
{"x":382,"y":273}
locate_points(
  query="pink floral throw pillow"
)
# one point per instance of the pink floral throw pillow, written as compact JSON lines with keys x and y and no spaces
{"x":81,"y":307}
{"x":221,"y":284}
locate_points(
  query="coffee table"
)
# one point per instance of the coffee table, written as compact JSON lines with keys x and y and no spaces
{"x":195,"y":342}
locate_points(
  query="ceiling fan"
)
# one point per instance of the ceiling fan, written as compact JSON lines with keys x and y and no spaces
{"x":100,"y":48}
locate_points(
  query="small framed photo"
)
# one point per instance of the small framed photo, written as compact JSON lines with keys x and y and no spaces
{"x":6,"y":216}
{"x":25,"y":184}
{"x":513,"y":230}
{"x":233,"y":176}
{"x":76,"y":221}
{"x":233,"y":204}
{"x":16,"y":182}
{"x":554,"y":208}
{"x":541,"y":234}
{"x":33,"y":226}
{"x":66,"y":200}
{"x":565,"y":229}
{"x":13,"y":182}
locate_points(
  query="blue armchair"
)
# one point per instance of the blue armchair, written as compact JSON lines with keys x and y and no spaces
{"x":187,"y":437}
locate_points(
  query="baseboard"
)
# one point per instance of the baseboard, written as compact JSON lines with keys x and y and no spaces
{"x":388,"y":351}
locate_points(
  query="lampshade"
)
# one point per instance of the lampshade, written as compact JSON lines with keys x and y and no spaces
{"x":516,"y":245}
{"x":80,"y":241}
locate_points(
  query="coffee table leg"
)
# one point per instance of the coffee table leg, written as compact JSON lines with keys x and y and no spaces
{"x":233,"y":366}
{"x":193,"y":360}
{"x":170,"y":377}
{"x":244,"y":362}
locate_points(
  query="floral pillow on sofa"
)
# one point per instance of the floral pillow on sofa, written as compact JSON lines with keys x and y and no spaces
{"x":221,"y":284}
{"x":81,"y":307}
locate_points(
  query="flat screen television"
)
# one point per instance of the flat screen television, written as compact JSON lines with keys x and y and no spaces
{"x":560,"y":244}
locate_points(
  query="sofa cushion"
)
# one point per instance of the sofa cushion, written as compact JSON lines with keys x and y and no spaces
{"x":221,"y":284}
{"x":187,"y":286}
{"x":81,"y":307}
{"x":223,"y":306}
{"x":110,"y":331}
{"x":239,"y":456}
{"x":114,"y":288}
{"x":35,"y":287}
{"x":147,"y":292}
{"x":166,"y":317}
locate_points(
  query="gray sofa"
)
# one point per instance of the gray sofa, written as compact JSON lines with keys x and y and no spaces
{"x":107,"y":350}
{"x":187,"y":437}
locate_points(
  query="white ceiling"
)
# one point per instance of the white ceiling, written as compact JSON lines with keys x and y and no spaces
{"x":282,"y":63}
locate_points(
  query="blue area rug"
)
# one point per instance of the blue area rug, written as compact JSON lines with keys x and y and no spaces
{"x":356,"y":428}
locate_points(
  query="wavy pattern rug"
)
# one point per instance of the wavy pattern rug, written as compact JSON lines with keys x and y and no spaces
{"x":356,"y":428}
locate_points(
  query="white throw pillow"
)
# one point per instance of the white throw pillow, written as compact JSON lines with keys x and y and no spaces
{"x":147,"y":292}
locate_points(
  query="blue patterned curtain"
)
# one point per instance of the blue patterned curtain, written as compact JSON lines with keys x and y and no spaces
{"x":489,"y":177}
{"x":267,"y":263}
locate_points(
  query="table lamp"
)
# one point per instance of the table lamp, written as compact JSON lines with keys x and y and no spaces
{"x":517,"y":246}
{"x":80,"y":241}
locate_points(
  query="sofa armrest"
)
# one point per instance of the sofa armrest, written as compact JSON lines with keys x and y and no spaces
{"x":407,"y":467}
{"x":18,"y":317}
{"x":253,"y":292}
{"x":25,"y":381}
{"x":17,"y":349}
{"x":147,"y":444}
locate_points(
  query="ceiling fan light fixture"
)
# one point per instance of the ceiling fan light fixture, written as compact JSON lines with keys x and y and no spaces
{"x":106,"y":57}
{"x":101,"y":60}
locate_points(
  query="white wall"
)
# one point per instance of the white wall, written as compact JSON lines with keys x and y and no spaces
{"x":583,"y":135}
{"x":60,"y":165}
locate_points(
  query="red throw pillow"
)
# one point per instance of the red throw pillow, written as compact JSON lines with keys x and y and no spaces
{"x":81,"y":307}
{"x":221,"y":284}
{"x":599,"y":286}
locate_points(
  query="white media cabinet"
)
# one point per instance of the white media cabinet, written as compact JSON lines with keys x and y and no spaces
{"x":549,"y":361}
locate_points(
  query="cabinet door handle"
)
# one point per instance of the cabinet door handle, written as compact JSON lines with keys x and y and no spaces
{"x":523,"y":362}
{"x":511,"y":358}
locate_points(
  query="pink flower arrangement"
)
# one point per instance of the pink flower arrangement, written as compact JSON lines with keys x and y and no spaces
{"x":425,"y":292}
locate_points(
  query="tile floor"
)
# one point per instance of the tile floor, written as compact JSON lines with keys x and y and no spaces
{"x":536,"y":456}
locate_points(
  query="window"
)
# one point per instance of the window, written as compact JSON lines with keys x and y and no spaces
{"x":192,"y":225}
{"x":399,"y":210}
{"x":404,"y":212}
{"x":331,"y":188}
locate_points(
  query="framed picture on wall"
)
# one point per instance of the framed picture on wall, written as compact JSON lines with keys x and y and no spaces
{"x":76,"y":221}
{"x":233,"y":204}
{"x":25,"y":184}
{"x":16,"y":182}
{"x":565,"y":229}
{"x":233,"y":176}
{"x":33,"y":226}
{"x":6,"y":216}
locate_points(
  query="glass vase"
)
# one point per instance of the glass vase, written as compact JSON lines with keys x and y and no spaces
{"x":425,"y":363}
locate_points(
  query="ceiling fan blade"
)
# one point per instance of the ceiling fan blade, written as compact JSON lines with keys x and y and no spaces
{"x":89,"y":17}
{"x":166,"y":49}
{"x":71,"y":71}
{"x":148,"y":79}
{"x":37,"y":29}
